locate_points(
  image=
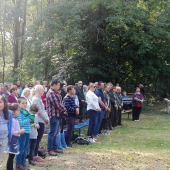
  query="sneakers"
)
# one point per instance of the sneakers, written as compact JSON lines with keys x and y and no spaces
{"x":21,"y":166}
{"x":91,"y":140}
{"x":52,"y":153}
{"x":38,"y":159}
{"x":58,"y":151}
{"x":31,"y":162}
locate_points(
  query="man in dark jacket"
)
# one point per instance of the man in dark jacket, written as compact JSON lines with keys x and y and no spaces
{"x":81,"y":97}
{"x":72,"y":111}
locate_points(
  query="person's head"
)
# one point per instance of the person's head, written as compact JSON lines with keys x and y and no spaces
{"x":36,"y":82}
{"x":45,"y":83}
{"x":107,"y":87}
{"x":96,"y":84}
{"x":114,"y":89}
{"x":26,"y":93}
{"x":124,"y":93}
{"x":37,"y":90}
{"x":18,"y":83}
{"x":140,"y":86}
{"x":22,"y":102}
{"x":70,"y":90}
{"x":118,"y":89}
{"x":14,"y":107}
{"x":34,"y":109}
{"x":14,"y":90}
{"x":55,"y":84}
{"x":110,"y":85}
{"x":63,"y":86}
{"x":30,"y":86}
{"x":85,"y":88}
{"x":4,"y":88}
{"x":100,"y":85}
{"x":80,"y":84}
{"x":92,"y":87}
{"x":4,"y":107}
{"x":137,"y":89}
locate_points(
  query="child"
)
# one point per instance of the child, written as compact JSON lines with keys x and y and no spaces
{"x":25,"y":120}
{"x":13,"y":148}
{"x":5,"y":125}
{"x":34,"y":133}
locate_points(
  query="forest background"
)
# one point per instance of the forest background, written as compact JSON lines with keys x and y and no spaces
{"x":121,"y":41}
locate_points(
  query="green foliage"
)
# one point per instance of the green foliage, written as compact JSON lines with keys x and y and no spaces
{"x":119,"y":41}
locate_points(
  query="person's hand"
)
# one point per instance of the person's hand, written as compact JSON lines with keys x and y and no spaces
{"x":98,"y":110}
{"x":82,"y":100}
{"x":77,"y":111}
{"x":22,"y":131}
{"x":108,"y":110}
{"x":142,"y":101}
{"x":116,"y":106}
{"x":47,"y":122}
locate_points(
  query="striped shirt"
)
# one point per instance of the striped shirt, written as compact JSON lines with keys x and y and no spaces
{"x":24,"y":122}
{"x":54,"y":103}
{"x":69,"y":104}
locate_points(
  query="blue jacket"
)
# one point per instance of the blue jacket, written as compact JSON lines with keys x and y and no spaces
{"x":10,"y":125}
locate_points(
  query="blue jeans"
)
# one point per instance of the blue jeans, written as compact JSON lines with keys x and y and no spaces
{"x":63,"y":142}
{"x":33,"y":143}
{"x":53,"y":135}
{"x":92,"y":119}
{"x":99,"y":119}
{"x":58,"y":141}
{"x":23,"y":148}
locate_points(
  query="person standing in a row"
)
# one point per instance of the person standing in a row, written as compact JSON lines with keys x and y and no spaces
{"x":137,"y":104}
{"x":54,"y":108}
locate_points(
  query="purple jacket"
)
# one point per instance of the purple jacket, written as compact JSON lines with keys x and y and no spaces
{"x":12,"y":99}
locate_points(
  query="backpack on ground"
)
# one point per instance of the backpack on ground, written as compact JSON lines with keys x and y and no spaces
{"x":42,"y":152}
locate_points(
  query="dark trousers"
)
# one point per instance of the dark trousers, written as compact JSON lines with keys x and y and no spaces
{"x":136,"y":113}
{"x":115,"y":118}
{"x":92,"y":119}
{"x":33,"y":143}
{"x":105,"y":124}
{"x":119,"y":115}
{"x":39,"y":137}
{"x":111,"y":118}
{"x":70,"y":121}
{"x":9,"y":165}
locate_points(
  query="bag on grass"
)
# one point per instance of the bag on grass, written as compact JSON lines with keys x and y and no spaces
{"x":42,"y":152}
{"x":82,"y":141}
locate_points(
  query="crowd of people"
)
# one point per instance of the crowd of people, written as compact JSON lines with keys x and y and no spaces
{"x":26,"y":110}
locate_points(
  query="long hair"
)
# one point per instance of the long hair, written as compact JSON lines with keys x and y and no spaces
{"x":5,"y":109}
{"x":35,"y":89}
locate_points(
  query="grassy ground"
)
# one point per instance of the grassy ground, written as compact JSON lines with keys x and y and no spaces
{"x":143,"y":145}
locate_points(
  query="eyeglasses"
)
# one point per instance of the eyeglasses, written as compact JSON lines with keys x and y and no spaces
{"x":94,"y":86}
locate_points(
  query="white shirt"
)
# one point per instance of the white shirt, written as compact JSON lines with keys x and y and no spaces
{"x":92,"y":101}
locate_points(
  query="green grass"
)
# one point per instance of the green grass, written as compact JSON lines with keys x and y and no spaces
{"x":151,"y":133}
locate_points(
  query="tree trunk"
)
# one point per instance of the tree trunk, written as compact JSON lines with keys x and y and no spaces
{"x":16,"y":33}
{"x":23,"y":29}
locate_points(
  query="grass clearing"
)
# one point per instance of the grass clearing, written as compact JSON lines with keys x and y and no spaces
{"x":143,"y":145}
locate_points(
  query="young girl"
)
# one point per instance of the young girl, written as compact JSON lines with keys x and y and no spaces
{"x":12,"y":147}
{"x":5,"y":124}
